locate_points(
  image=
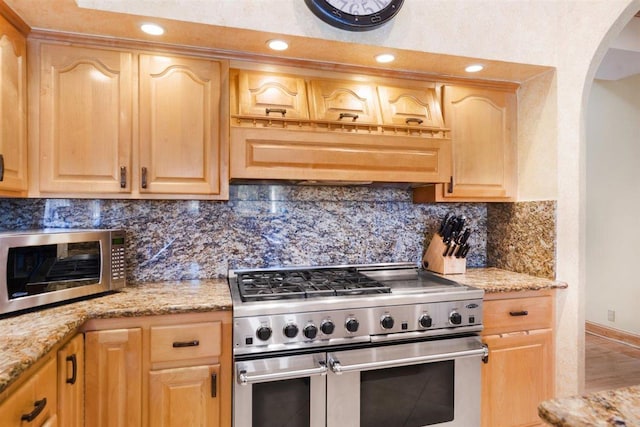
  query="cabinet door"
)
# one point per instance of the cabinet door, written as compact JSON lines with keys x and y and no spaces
{"x":179,"y":125}
{"x":410,"y":107}
{"x":184,"y":397}
{"x":272,"y":95}
{"x":517,"y":377}
{"x":35,"y":399}
{"x":343,"y":101}
{"x":85,"y":120}
{"x":483,"y":134}
{"x":13,"y":120}
{"x":71,"y":383}
{"x":113,"y":378}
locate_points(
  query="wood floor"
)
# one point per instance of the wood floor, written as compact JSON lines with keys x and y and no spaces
{"x":610,"y":364}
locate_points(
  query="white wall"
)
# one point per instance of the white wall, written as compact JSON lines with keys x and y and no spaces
{"x":613,"y":203}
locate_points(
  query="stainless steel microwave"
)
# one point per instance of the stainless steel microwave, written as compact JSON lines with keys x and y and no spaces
{"x":42,"y":267}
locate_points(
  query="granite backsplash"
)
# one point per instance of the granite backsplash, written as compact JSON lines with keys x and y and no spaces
{"x":279,"y":225}
{"x":260,"y":226}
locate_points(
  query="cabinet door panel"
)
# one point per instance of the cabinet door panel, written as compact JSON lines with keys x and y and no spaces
{"x":259,"y":91}
{"x":483,"y":129}
{"x":13,"y":97}
{"x":71,"y":383}
{"x":179,"y":125}
{"x":113,"y":378}
{"x":517,"y":378}
{"x":85,"y":119}
{"x":332,"y":98}
{"x":410,"y":107}
{"x":184,"y":397}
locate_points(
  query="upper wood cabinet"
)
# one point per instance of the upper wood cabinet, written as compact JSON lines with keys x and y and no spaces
{"x":272,"y":95}
{"x":92,"y":101}
{"x":343,"y":101}
{"x":180,"y":150}
{"x":337,"y":132}
{"x":13,"y":104}
{"x":84,"y":123}
{"x":483,"y":136}
{"x":410,"y":107}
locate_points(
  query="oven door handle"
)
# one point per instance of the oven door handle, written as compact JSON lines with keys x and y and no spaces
{"x":338,"y":368}
{"x":244,"y":378}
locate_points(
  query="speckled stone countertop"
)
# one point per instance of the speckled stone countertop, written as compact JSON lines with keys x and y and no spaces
{"x":494,"y":280}
{"x":619,"y":407}
{"x":28,"y":337}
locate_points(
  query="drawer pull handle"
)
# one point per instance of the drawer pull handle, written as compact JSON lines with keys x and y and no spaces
{"x":351,"y":116}
{"x":180,"y":344}
{"x":74,"y":369}
{"x":282,"y":111}
{"x":38,"y":408}
{"x":518,"y":313}
{"x":413,"y":120}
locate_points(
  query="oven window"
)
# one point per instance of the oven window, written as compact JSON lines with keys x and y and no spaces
{"x":281,"y":403}
{"x":407,"y":396}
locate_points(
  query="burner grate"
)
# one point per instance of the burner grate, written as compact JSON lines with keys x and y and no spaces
{"x":311,"y":283}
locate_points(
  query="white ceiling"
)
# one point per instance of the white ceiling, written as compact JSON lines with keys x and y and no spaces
{"x":623,"y":57}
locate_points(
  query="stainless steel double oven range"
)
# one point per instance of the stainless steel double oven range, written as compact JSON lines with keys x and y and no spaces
{"x":385,"y":345}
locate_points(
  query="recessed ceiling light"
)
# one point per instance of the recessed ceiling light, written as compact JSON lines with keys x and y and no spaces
{"x":385,"y":58}
{"x":278,"y":44}
{"x":152,"y":29}
{"x":474,"y":68}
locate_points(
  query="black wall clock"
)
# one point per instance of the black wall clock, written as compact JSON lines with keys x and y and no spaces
{"x":355,"y":15}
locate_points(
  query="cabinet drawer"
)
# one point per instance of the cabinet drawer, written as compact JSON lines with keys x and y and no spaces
{"x":192,"y":341}
{"x":517,"y":314}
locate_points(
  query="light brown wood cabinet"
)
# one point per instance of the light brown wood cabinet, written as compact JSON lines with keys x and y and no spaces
{"x":519,"y":373}
{"x":415,"y":107}
{"x":271,"y":95}
{"x":34,"y":403}
{"x":483,"y":136}
{"x":113,"y":378}
{"x":13,"y":104}
{"x":71,"y":383}
{"x":338,"y":137}
{"x":168,"y":371}
{"x":127,"y":124}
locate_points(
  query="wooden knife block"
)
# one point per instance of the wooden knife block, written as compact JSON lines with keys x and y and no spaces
{"x":442,"y":264}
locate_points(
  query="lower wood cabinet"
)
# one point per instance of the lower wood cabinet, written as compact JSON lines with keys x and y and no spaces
{"x":71,"y":383}
{"x":159,"y":371}
{"x":519,"y":373}
{"x":34,"y":403}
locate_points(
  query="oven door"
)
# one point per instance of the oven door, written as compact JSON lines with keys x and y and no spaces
{"x":281,"y":391}
{"x":406,"y":385}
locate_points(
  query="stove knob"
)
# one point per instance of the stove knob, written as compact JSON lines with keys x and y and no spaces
{"x":310,"y":331}
{"x":327,"y":327}
{"x":425,"y":321}
{"x":263,"y":333}
{"x":455,"y":318}
{"x":351,"y":324}
{"x":386,"y":322}
{"x":290,"y":331}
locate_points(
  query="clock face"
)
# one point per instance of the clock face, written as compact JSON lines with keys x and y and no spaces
{"x":355,"y":15}
{"x":359,"y":7}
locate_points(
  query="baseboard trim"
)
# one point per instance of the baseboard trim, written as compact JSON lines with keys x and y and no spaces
{"x":611,"y":333}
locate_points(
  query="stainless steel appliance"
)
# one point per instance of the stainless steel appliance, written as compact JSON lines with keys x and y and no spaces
{"x":361,"y":345}
{"x":40,"y":267}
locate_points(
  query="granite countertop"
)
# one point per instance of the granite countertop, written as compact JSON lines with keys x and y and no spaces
{"x":619,"y":407}
{"x":28,"y":337}
{"x":494,"y":280}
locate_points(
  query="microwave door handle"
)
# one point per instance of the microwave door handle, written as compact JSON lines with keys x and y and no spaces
{"x":244,"y":378}
{"x":339,"y":368}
